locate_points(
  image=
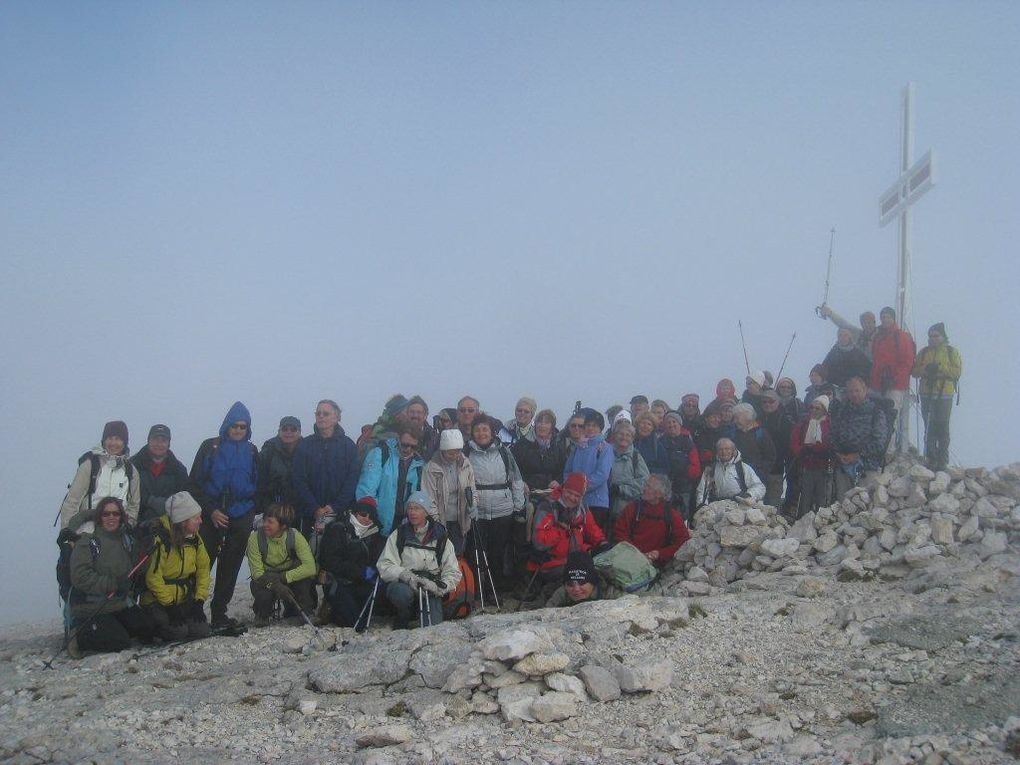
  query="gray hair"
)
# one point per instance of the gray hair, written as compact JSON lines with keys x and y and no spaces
{"x":332,"y":403}
{"x":664,"y":485}
{"x":744,"y":409}
{"x":722,"y":441}
{"x":529,"y":401}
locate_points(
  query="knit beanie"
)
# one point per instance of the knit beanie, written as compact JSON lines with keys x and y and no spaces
{"x":424,"y":501}
{"x":576,"y":482}
{"x":451,"y":439}
{"x":579,"y":569}
{"x":690,"y":397}
{"x":182,"y":507}
{"x":822,"y":401}
{"x":395,"y":406}
{"x":758,"y":377}
{"x":369,"y":506}
{"x":673,"y":415}
{"x":940,"y":328}
{"x":116,"y":428}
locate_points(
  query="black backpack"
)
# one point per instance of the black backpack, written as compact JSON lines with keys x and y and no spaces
{"x":405,"y":537}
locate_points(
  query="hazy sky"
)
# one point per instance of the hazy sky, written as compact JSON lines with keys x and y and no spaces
{"x":204,"y":202}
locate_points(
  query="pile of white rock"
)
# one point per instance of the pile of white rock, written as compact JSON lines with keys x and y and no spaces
{"x":900,"y":520}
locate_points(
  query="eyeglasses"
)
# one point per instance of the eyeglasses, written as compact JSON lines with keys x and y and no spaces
{"x":110,"y":514}
{"x":239,"y":426}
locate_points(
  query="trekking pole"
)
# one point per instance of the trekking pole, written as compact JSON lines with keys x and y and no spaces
{"x":828,"y":273}
{"x":109,"y":596}
{"x":747,"y":364}
{"x":293,"y":601}
{"x":528,"y":588}
{"x":488,"y":571}
{"x":783,"y":365}
{"x":423,"y":607}
{"x":369,"y":606}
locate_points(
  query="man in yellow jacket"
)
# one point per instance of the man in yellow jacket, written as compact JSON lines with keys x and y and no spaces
{"x":938,"y":368}
{"x":282,"y":566}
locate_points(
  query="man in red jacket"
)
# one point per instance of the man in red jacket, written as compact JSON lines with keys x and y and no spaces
{"x":562,"y":526}
{"x":892,"y":353}
{"x":651,"y":524}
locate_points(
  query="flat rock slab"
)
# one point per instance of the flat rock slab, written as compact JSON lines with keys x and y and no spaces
{"x":932,"y":708}
{"x":928,"y":633}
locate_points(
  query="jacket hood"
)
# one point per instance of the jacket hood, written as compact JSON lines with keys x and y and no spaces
{"x":791,"y":381}
{"x":100,"y":452}
{"x":237,"y":413}
{"x":725,"y":385}
{"x":734,"y":459}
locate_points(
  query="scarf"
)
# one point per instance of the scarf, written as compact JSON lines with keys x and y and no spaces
{"x":813,"y":432}
{"x":363,"y":530}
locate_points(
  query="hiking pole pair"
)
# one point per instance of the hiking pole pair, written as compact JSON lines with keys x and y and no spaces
{"x":369,"y":606}
{"x":482,"y":567}
{"x":424,"y":608}
{"x":109,"y":596}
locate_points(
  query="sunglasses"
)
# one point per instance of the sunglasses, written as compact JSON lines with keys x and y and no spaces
{"x":239,"y":426}
{"x":110,"y":514}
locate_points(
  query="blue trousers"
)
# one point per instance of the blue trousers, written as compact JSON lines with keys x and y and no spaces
{"x":405,"y":599}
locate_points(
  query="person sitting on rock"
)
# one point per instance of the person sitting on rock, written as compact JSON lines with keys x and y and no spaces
{"x":727,"y":477}
{"x":178,"y":574}
{"x":651,"y":524}
{"x":418,"y":562}
{"x":350,"y":548}
{"x":104,"y":616}
{"x":561,"y":526}
{"x":809,"y":444}
{"x":282,"y":566}
{"x":582,"y":582}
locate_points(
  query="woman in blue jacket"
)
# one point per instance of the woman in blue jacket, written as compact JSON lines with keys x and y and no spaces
{"x":592,"y":456}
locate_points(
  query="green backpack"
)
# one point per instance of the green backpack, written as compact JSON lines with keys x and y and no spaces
{"x":626,"y":567}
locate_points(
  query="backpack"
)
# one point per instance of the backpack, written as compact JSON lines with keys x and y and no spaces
{"x":458,"y":602}
{"x":667,"y":517}
{"x":627,"y":567}
{"x":404,"y":534}
{"x":292,"y":558}
{"x":506,"y":469}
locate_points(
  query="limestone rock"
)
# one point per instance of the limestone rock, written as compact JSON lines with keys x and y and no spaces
{"x":919,"y":472}
{"x":803,"y":529}
{"x":735,"y":517}
{"x":385,"y":735}
{"x":780,"y":548}
{"x":558,"y":681}
{"x":810,"y":587}
{"x":992,"y":543}
{"x":697,"y":574}
{"x":969,"y":528}
{"x":513,"y":644}
{"x":826,"y":542}
{"x":770,"y":731}
{"x":600,"y":683}
{"x":941,"y":530}
{"x":538,"y":664}
{"x":739,"y":536}
{"x":648,"y":676}
{"x":944,"y":503}
{"x":553,"y":706}
{"x":921,"y":556}
{"x":347,"y":672}
{"x":755,"y":516}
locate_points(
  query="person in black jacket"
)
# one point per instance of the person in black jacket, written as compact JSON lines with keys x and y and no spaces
{"x":753,"y":441}
{"x":778,"y":424}
{"x":846,"y":360}
{"x":325,"y":470}
{"x":541,"y":460}
{"x":161,"y":475}
{"x":351,"y":545}
{"x":276,"y":466}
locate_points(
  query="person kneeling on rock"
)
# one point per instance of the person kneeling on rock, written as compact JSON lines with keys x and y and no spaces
{"x":282,"y":566}
{"x":418,"y":564}
{"x":581,"y":582}
{"x":178,"y":575}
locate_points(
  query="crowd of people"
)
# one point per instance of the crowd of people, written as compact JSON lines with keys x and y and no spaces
{"x":420,"y":516}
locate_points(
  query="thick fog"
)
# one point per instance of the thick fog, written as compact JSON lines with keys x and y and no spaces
{"x":279,"y":203}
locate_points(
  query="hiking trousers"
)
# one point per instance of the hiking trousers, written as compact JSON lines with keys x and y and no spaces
{"x":935,"y":411}
{"x":405,"y":599}
{"x":227,"y":548}
{"x":264,"y":599}
{"x":815,"y":490}
{"x":113,"y":632}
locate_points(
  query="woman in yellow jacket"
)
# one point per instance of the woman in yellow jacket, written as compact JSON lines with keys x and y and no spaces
{"x":282,"y":566}
{"x":177,"y":581}
{"x":938,"y":368}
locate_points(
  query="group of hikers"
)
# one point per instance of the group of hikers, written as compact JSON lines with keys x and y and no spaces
{"x":421,"y":518}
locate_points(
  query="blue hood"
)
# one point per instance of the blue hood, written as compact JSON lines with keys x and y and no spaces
{"x":237,"y":413}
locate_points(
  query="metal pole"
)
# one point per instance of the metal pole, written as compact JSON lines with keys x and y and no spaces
{"x":902,"y":298}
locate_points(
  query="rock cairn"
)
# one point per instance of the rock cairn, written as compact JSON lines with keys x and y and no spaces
{"x":901,"y":520}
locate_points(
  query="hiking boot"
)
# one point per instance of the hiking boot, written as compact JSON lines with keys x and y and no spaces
{"x":224,"y":622}
{"x":72,"y":648}
{"x":262,"y":621}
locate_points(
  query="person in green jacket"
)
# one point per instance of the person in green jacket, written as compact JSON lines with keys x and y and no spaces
{"x":938,"y":368}
{"x":282,"y":566}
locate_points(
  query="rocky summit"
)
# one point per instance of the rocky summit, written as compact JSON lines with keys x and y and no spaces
{"x":882,"y":629}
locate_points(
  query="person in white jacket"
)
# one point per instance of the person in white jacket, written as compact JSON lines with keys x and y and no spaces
{"x":102,"y":472}
{"x":727,"y":477}
{"x":418,"y":556}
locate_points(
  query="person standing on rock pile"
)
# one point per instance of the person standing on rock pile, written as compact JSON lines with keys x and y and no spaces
{"x":892,"y":359}
{"x":938,"y":367}
{"x":862,"y":335}
{"x":418,"y":564}
{"x":811,"y":447}
{"x":753,"y":441}
{"x":778,"y":424}
{"x":684,"y":462}
{"x":729,"y":477}
{"x":101,"y":589}
{"x":859,"y":435}
{"x":282,"y":566}
{"x":177,"y":579}
{"x":449,"y":480}
{"x":224,"y":481}
{"x":582,"y":582}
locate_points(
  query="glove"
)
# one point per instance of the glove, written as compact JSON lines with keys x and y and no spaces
{"x":267,"y":580}
{"x":280,"y":589}
{"x":412,"y":579}
{"x":519,"y":516}
{"x":744,"y":499}
{"x":370,"y":574}
{"x":176,"y":615}
{"x":433,"y":587}
{"x":66,"y":536}
{"x":196,"y":611}
{"x":123,"y":583}
{"x":931,"y":370}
